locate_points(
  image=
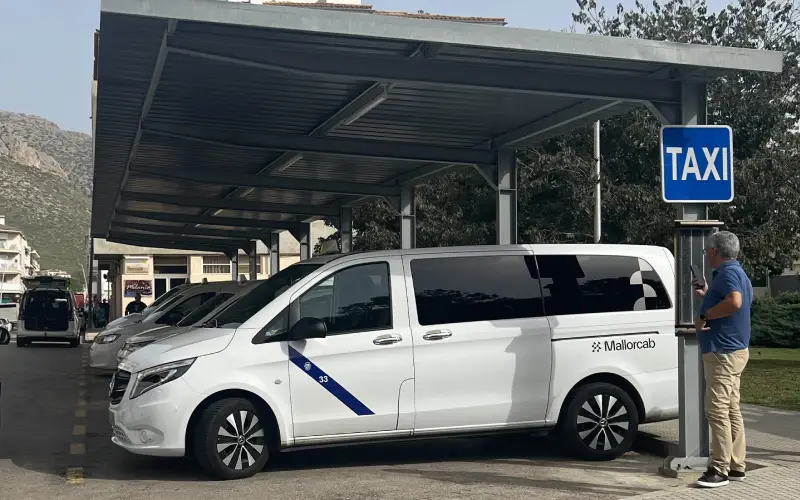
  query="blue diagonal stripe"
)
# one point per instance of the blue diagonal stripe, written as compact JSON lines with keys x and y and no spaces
{"x":326,"y":381}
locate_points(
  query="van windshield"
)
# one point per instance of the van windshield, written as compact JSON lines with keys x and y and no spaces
{"x":163,"y":298}
{"x":204,"y":310}
{"x":256,"y":299}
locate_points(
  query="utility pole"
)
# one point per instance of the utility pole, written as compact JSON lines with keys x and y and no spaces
{"x":597,"y":204}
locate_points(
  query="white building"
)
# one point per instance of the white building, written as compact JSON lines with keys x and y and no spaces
{"x":17,"y":260}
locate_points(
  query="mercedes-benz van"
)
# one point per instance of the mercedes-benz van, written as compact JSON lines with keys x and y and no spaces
{"x":410,"y":344}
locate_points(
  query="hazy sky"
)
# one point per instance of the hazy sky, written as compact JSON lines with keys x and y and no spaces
{"x":46,"y":64}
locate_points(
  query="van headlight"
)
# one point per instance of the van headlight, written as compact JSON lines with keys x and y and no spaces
{"x":159,"y":375}
{"x":106,"y":339}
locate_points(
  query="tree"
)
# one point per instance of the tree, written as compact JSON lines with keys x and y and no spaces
{"x":556,"y":179}
{"x":761,"y":108}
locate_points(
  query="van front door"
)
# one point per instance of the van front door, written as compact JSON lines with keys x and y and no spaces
{"x":351,"y":381}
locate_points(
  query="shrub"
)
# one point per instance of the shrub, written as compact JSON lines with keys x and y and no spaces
{"x":776,"y":321}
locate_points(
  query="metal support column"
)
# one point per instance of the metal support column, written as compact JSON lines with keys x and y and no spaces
{"x":408,"y":218}
{"x":346,"y":229}
{"x":303,"y":237}
{"x":506,"y":197}
{"x":252,"y":254}
{"x":692,"y":229}
{"x":234,"y":265}
{"x":274,"y":253}
{"x":90,"y":289}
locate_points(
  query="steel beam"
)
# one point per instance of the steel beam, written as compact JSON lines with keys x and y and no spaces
{"x":196,"y":231}
{"x":183,"y":243}
{"x":507,"y":198}
{"x":338,"y":146}
{"x":451,"y":74}
{"x":211,"y":221}
{"x":303,"y":236}
{"x":252,"y":254}
{"x":280,"y":183}
{"x":550,"y":123}
{"x":155,"y":78}
{"x":346,"y":229}
{"x":408,"y":218}
{"x":230,"y":204}
{"x":274,"y":245}
{"x":692,"y":230}
{"x":234,"y":256}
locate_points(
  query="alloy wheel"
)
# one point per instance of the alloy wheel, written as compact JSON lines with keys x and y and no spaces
{"x":240,"y":440}
{"x":603,"y":421}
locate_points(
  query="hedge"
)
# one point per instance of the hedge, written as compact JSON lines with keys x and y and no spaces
{"x":776,"y":321}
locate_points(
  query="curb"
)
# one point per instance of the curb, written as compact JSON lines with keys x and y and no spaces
{"x":650,"y":443}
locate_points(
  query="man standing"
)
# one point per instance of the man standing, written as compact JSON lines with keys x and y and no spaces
{"x":723,"y":329}
{"x":136,"y":306}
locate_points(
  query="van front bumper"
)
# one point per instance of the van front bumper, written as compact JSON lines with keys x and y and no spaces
{"x":104,"y":356}
{"x":155,"y":423}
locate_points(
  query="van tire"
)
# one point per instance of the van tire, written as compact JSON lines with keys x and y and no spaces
{"x":213,"y":426}
{"x":21,"y":343}
{"x":614,"y":422}
{"x":75,"y":342}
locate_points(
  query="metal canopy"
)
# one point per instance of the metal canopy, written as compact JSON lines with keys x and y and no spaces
{"x":219,"y":122}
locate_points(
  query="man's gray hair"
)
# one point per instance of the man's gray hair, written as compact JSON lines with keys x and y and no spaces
{"x":726,"y":243}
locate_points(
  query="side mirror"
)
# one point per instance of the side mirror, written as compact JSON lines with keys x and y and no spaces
{"x":308,"y":328}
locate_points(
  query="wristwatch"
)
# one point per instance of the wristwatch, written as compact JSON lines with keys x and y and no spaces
{"x":703,"y":316}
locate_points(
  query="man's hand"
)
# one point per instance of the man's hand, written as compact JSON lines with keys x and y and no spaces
{"x":700,"y":291}
{"x":700,"y":325}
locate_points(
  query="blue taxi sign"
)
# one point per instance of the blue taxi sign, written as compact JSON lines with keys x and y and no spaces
{"x":697,"y":163}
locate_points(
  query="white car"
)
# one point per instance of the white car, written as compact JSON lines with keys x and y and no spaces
{"x":48,"y":312}
{"x":106,"y":345}
{"x":415,"y":343}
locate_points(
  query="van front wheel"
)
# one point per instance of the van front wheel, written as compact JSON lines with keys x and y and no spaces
{"x":230,"y":439}
{"x":600,"y":422}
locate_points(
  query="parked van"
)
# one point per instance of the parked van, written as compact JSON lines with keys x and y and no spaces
{"x":105,"y":348}
{"x":163,"y":299}
{"x":415,"y":343}
{"x":47,"y":312}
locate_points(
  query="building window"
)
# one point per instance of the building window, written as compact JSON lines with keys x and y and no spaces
{"x":216,"y":264}
{"x":244,"y":265}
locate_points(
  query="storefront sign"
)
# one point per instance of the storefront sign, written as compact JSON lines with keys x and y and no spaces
{"x":137,"y":265}
{"x":142,"y":287}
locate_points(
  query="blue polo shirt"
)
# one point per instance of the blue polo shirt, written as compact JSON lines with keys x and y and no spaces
{"x":731,"y":333}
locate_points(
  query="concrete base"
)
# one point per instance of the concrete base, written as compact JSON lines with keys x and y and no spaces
{"x":680,"y":466}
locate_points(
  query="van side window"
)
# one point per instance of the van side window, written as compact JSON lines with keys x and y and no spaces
{"x":585,"y":284}
{"x":483,"y":288}
{"x":354,"y":299}
{"x":178,"y":312}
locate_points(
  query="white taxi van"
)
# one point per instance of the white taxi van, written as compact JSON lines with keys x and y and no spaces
{"x":414,"y":343}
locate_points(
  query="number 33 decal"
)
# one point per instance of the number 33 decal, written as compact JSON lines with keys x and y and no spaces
{"x":323,"y":379}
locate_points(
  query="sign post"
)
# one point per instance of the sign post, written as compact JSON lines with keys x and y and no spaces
{"x":696,"y":170}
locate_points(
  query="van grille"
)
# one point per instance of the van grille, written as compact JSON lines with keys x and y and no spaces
{"x":118,"y":385}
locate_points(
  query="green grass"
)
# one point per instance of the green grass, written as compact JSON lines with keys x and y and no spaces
{"x":772,"y":378}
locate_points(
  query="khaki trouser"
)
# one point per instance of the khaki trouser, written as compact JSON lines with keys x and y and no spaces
{"x":722,"y":374}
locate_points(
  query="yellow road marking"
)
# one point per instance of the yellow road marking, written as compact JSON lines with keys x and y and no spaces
{"x":75,"y":475}
{"x":80,"y":413}
{"x":77,"y":449}
{"x":79,"y":430}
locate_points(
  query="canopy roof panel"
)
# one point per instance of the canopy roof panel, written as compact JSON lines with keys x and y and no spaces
{"x":210,"y":112}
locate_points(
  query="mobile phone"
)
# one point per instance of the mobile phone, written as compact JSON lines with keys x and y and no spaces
{"x":698,"y":275}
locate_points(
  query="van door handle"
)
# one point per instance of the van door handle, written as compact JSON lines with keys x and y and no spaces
{"x":391,"y":338}
{"x":437,"y":334}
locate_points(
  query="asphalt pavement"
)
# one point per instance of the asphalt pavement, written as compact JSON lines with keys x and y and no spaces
{"x":55,"y":443}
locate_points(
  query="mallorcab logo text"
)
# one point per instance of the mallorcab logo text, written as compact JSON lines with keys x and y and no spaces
{"x":623,"y":345}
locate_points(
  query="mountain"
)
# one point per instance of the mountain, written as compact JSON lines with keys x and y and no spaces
{"x":45,"y":188}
